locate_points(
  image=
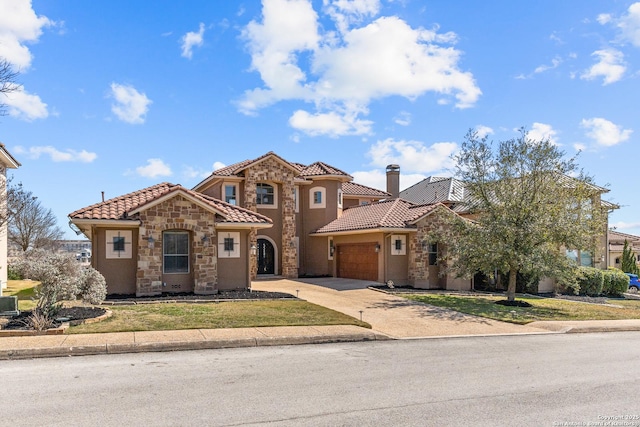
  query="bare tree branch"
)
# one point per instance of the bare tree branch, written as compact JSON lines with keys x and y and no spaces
{"x":8,"y":83}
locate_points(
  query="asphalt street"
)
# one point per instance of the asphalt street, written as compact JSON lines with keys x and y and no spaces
{"x":537,"y":380}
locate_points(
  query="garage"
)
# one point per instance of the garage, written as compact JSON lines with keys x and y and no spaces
{"x":358,"y":261}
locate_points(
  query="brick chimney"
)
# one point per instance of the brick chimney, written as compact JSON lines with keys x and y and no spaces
{"x":393,"y":180}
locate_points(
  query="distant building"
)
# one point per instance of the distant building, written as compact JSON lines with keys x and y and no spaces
{"x":7,"y":161}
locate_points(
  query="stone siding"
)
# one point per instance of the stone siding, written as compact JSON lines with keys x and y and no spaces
{"x":270,"y":170}
{"x":418,"y":255}
{"x":177,"y":213}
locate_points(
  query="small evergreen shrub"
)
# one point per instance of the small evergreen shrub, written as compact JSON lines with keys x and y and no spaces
{"x":615,"y":282}
{"x":13,"y":274}
{"x":591,"y":281}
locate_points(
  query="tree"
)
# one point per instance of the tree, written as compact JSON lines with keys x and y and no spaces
{"x":8,"y":82}
{"x":528,"y":204}
{"x":628,"y":259}
{"x":31,"y":225}
{"x":62,"y":278}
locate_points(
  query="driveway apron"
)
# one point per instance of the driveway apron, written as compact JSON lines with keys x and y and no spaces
{"x":393,"y":316}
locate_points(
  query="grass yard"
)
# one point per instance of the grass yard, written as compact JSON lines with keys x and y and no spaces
{"x":543,"y":308}
{"x":24,"y":290}
{"x":230,"y":314}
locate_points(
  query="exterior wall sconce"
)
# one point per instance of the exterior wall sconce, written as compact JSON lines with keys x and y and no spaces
{"x":292,"y":244}
{"x":424,"y":245}
{"x":151,"y":242}
{"x":205,"y":240}
{"x":253,"y":249}
{"x":377,"y":247}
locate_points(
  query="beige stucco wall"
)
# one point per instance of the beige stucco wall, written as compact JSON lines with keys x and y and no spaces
{"x":397,"y":265}
{"x":233,"y":273}
{"x":119,"y":273}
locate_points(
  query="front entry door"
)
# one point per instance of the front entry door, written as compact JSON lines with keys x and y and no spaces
{"x":266,"y":264}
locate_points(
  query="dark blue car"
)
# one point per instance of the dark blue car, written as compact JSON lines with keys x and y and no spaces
{"x":634,"y":283}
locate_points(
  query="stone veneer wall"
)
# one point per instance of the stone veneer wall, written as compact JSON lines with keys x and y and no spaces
{"x":177,"y":213}
{"x":270,"y":170}
{"x":419,"y":257}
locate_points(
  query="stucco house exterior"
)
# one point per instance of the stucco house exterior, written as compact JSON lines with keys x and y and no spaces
{"x":616,"y":241}
{"x":267,"y":217}
{"x":7,"y":161}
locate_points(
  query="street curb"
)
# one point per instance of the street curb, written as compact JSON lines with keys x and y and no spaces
{"x":99,"y":349}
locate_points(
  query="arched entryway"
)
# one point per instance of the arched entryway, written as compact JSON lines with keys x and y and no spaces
{"x":266,"y":257}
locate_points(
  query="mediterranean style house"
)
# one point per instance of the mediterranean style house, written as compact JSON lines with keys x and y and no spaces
{"x":268,"y":217}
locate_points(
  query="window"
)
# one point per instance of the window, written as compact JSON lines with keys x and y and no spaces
{"x":230,"y":196}
{"x":339,"y":197}
{"x":332,"y":248}
{"x":296,"y":199}
{"x":118,"y":244}
{"x":617,"y":260}
{"x":175,"y":248}
{"x":433,"y":254}
{"x":398,"y":245}
{"x":265,"y":194}
{"x":317,"y":199}
{"x":229,"y":244}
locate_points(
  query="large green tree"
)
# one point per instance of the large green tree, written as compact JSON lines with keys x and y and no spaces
{"x":528,"y":203}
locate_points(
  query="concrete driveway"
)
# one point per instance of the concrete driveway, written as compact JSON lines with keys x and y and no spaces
{"x":393,"y":316}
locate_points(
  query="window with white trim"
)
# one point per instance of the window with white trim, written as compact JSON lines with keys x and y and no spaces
{"x":398,"y":244}
{"x":331,"y":248}
{"x":265,"y":195}
{"x":317,"y":198}
{"x":229,"y":244}
{"x":175,"y":252}
{"x":231,"y":194}
{"x":339,"y":197}
{"x":118,"y":244}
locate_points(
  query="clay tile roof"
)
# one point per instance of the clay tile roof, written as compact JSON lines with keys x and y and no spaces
{"x":320,"y":168}
{"x":353,"y":189}
{"x":119,"y":208}
{"x":385,"y":214}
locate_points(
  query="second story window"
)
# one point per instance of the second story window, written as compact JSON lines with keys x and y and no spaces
{"x":230,"y":194}
{"x":317,"y":197}
{"x":265,"y":194}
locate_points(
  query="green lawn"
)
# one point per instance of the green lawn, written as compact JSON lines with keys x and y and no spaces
{"x":24,"y":290}
{"x":229,"y":314}
{"x":543,"y":308}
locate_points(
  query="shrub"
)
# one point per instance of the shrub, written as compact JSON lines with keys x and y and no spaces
{"x":61,"y":278}
{"x":13,"y":274}
{"x":615,"y":282}
{"x":591,"y":281}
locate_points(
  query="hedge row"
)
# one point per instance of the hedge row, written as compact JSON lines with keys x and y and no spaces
{"x":593,"y":282}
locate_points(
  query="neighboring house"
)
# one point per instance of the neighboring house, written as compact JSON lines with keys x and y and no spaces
{"x":7,"y":161}
{"x":451,"y":192}
{"x":616,"y":245}
{"x":268,"y":217}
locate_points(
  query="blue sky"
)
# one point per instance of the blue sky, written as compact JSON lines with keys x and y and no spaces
{"x":119,"y":95}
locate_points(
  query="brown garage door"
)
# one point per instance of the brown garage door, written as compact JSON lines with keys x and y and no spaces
{"x":358,"y":261}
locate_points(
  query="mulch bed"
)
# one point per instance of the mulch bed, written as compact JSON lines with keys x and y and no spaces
{"x":68,"y":313}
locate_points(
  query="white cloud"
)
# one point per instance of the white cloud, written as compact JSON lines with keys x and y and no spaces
{"x":541,"y":132}
{"x":190,"y":40}
{"x":332,"y":124}
{"x":341,"y":73}
{"x":555,"y":62}
{"x":413,"y":156}
{"x":628,"y":24}
{"x":403,"y":118}
{"x":56,"y":155}
{"x":154,"y":169}
{"x":610,"y":66}
{"x":19,"y":24}
{"x":484,"y":131}
{"x":621,"y":225}
{"x":131,"y":106}
{"x":579,"y":146}
{"x":604,"y":132}
{"x":24,"y":105}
